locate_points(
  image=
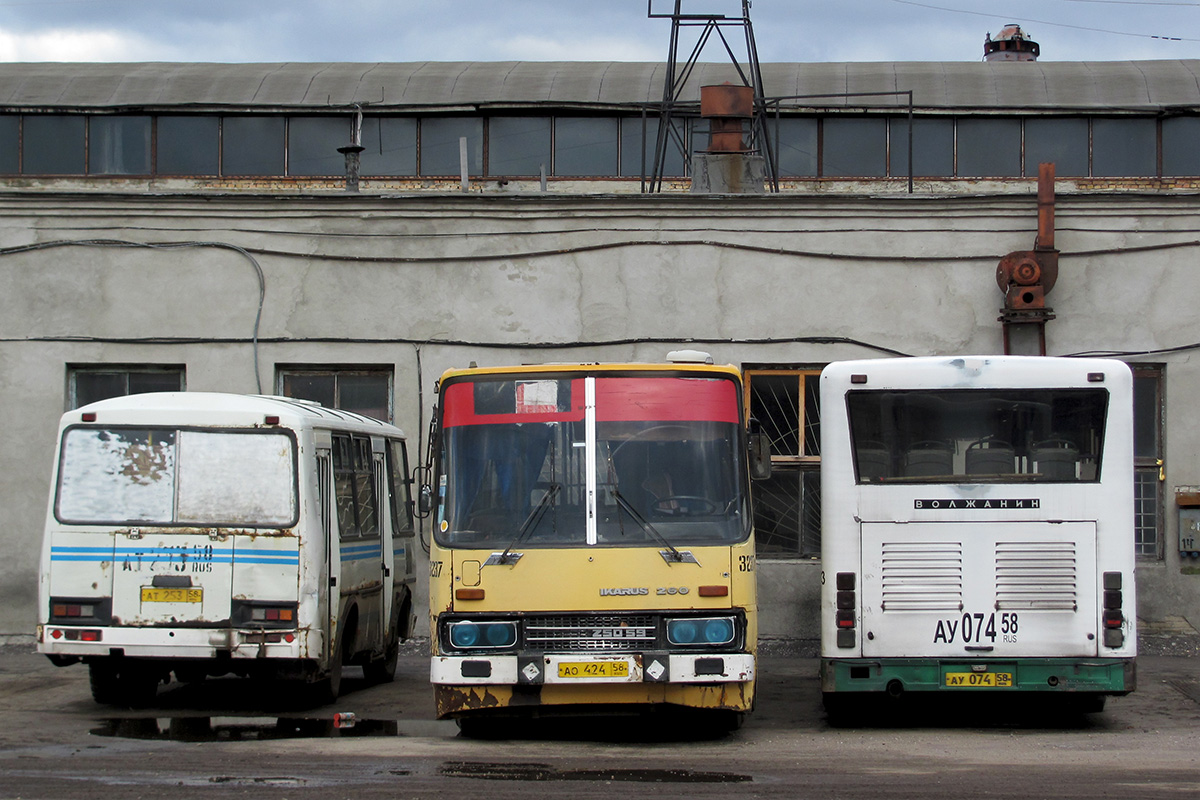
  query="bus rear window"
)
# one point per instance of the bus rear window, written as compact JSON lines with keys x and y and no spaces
{"x":977,"y":435}
{"x":167,"y":476}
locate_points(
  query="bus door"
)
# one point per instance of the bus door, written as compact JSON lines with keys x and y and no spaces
{"x":994,"y":589}
{"x":332,"y":565}
{"x":386,"y":536}
{"x":359,"y":547}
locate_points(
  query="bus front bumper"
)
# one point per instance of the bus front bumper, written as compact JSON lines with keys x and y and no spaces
{"x":587,"y":668}
{"x":1115,"y":676}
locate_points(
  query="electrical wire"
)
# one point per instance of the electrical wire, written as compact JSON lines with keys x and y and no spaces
{"x":262,"y":283}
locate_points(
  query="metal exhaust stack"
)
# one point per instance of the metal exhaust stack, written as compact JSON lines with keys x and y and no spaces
{"x":728,"y":166}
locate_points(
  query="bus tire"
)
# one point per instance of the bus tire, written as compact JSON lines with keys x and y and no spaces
{"x":102,"y":676}
{"x":330,"y":689}
{"x":383,"y":670}
{"x":126,"y":684}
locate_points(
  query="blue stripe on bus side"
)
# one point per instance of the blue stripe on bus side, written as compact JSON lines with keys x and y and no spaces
{"x":225,"y":555}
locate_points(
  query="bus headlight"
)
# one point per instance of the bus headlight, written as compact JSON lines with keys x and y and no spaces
{"x":470,"y":635}
{"x":701,"y":631}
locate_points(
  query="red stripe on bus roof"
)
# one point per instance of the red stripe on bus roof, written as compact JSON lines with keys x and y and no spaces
{"x":623,"y":399}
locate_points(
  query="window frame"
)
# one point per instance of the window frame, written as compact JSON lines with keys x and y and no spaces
{"x":337,"y":372}
{"x":71,"y":395}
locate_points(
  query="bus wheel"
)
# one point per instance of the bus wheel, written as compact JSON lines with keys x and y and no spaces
{"x":127,"y":684}
{"x":330,"y":689}
{"x":383,"y":670}
{"x":103,"y":677}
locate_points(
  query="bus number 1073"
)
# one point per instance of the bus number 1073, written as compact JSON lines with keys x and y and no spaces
{"x":977,"y":627}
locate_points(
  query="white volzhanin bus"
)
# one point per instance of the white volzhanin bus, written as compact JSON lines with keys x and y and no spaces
{"x":205,"y":534}
{"x":977,"y":528}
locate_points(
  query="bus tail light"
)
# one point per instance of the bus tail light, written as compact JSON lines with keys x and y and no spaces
{"x":1114,"y":616}
{"x":847,"y":609}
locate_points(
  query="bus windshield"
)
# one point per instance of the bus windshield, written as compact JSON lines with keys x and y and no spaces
{"x":977,"y":435}
{"x":650,"y":461}
{"x":169,"y":476}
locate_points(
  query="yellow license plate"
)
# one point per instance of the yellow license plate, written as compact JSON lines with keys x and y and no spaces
{"x":158,"y":594}
{"x":593,"y":669}
{"x":969,"y":679}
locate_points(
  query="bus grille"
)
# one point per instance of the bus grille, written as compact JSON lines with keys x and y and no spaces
{"x":590,"y":632}
{"x":922,"y":576}
{"x":1036,"y":575}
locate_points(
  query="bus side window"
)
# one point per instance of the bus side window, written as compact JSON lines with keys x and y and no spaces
{"x":400,"y":484}
{"x":343,"y":483}
{"x":364,"y":488}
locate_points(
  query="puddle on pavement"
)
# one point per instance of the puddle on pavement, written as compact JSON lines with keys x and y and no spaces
{"x":544,"y":772}
{"x":237,"y":729}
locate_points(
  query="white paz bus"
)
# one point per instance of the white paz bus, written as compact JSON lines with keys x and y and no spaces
{"x":977,"y":528}
{"x":203,"y":534}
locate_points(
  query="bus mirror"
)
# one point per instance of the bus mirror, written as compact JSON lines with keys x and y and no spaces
{"x":760,"y":456}
{"x":425,"y":500}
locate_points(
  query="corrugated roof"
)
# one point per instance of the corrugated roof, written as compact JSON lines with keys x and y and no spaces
{"x":1131,"y":85}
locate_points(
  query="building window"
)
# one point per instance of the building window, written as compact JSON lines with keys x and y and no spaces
{"x":88,"y":384}
{"x":519,"y":146}
{"x":119,"y":145}
{"x":932,"y":147}
{"x":439,"y":145}
{"x":1124,"y":147}
{"x":637,"y":148}
{"x":366,"y":390}
{"x":1061,"y":140}
{"x":854,"y":148}
{"x":188,"y":145}
{"x":389,"y":146}
{"x":10,"y":144}
{"x":253,"y":145}
{"x":586,"y":146}
{"x":313,"y":144}
{"x":787,"y":506}
{"x":53,"y":144}
{"x":796,"y":146}
{"x":989,"y":148}
{"x":1179,"y":153}
{"x":1148,"y":459}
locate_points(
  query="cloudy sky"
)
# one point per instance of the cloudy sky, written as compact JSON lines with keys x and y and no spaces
{"x":579,"y":30}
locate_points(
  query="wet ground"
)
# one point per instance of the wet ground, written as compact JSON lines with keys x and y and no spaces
{"x":233,"y":737}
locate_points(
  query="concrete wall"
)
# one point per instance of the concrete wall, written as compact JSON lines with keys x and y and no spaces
{"x":430,"y":282}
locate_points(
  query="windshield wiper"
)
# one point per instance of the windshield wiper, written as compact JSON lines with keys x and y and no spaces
{"x":671,"y":555}
{"x":535,"y":516}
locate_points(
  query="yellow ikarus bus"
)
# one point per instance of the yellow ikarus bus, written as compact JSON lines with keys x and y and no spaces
{"x":592,"y":541}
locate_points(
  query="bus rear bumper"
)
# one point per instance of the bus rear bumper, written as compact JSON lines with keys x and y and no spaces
{"x":66,"y":643}
{"x":1108,"y":676}
{"x":588,"y":668}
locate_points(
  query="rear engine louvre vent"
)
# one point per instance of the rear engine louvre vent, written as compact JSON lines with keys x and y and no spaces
{"x":922,"y":576}
{"x":1036,"y":576}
